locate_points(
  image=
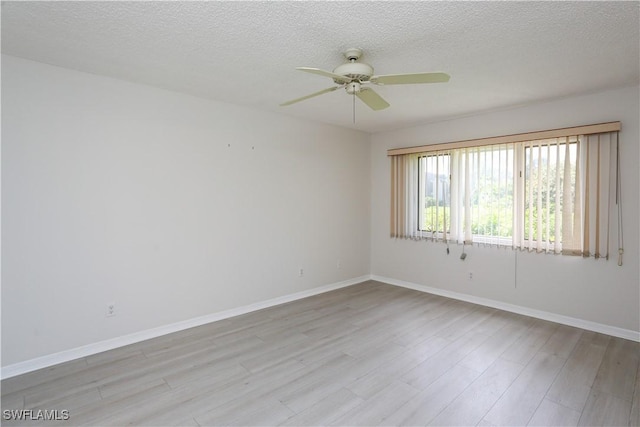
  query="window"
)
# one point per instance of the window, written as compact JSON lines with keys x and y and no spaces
{"x":549,"y":191}
{"x":468,"y":192}
{"x":486,"y":193}
{"x":434,"y":194}
{"x":544,"y":195}
{"x":482,"y":179}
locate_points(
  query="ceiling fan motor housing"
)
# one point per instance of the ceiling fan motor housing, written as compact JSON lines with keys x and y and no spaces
{"x":355,"y":71}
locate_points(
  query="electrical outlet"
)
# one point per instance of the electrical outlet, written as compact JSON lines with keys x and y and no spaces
{"x":301,"y":272}
{"x":111,"y":310}
{"x":470,"y":276}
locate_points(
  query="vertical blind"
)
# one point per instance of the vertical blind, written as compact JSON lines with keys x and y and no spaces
{"x":550,"y":195}
{"x":404,"y":204}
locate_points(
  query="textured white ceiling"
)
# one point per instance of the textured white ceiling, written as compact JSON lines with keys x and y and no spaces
{"x":499,"y":54}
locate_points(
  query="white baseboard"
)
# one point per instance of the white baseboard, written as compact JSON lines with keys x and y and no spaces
{"x":90,"y":349}
{"x":539,"y":314}
{"x":98,"y":347}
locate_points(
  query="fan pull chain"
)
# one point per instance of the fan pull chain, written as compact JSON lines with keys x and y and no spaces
{"x":354,"y":108}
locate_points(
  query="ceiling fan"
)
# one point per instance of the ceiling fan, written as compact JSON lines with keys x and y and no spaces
{"x":355,"y":77}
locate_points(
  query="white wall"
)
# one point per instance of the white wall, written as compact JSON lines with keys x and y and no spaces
{"x":595,"y":291}
{"x":173,"y":207}
{"x":117,"y":192}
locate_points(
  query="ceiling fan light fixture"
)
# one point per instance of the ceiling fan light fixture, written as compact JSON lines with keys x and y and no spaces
{"x":353,"y":88}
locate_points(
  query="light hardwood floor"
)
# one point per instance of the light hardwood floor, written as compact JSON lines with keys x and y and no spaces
{"x":369,"y":354}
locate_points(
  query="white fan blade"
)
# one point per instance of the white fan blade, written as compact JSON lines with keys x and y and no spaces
{"x":318,"y":71}
{"x":404,"y":79}
{"x":293,"y":101}
{"x":372,"y":99}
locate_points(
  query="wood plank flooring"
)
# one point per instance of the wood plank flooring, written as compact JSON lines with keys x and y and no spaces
{"x":368,"y":354}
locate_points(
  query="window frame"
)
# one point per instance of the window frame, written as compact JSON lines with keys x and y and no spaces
{"x":438,"y":234}
{"x":519,"y":197}
{"x":586,"y":217}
